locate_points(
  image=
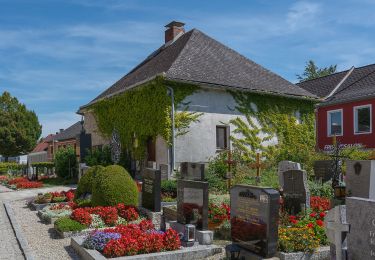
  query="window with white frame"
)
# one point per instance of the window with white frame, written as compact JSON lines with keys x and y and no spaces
{"x":335,"y":122}
{"x":362,"y":119}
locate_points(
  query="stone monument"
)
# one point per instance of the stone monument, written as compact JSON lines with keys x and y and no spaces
{"x":360,"y":179}
{"x":254,"y":219}
{"x":192,"y":171}
{"x":286,"y":166}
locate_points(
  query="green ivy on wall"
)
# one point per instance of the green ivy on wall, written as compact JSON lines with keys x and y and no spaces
{"x":269,"y":117}
{"x":144,"y":112}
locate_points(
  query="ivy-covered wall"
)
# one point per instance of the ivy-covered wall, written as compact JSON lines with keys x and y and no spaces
{"x":144,"y":112}
{"x":289,"y":120}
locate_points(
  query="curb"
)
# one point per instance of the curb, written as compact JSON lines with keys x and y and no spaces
{"x":24,"y":246}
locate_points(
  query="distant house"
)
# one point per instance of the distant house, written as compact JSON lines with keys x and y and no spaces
{"x":197,"y":59}
{"x":346,"y":110}
{"x":42,"y":151}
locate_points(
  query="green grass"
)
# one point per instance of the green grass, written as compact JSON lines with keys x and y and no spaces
{"x":65,"y":224}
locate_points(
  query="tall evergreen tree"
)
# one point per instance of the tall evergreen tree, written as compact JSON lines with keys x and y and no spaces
{"x":19,"y":127}
{"x":312,"y":71}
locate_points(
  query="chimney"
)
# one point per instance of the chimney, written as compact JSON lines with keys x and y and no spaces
{"x":174,"y":30}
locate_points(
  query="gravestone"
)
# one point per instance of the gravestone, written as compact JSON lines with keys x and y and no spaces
{"x":192,"y":171}
{"x":151,"y":189}
{"x":360,"y":214}
{"x":295,"y":191}
{"x":286,"y":166}
{"x":152,"y":165}
{"x":337,"y":227}
{"x":254,"y":219}
{"x":192,"y":203}
{"x":323,"y":170}
{"x":165,"y":171}
{"x":360,"y":179}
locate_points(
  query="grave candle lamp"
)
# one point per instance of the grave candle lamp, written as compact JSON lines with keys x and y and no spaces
{"x":340,"y":191}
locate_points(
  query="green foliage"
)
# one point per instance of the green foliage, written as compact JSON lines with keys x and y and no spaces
{"x":10,"y":166}
{"x":274,"y":117}
{"x":66,"y":164}
{"x":57,"y":181}
{"x":353,"y":153}
{"x":48,"y":165}
{"x":100,"y":156}
{"x":85,"y":184}
{"x":81,"y":203}
{"x":19,"y":127}
{"x":169,"y":186}
{"x":322,"y":190}
{"x":66,"y":224}
{"x":216,"y":172}
{"x":312,"y":71}
{"x":143,"y":112}
{"x":114,"y":185}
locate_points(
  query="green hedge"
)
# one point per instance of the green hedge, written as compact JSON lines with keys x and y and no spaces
{"x":114,"y":185}
{"x":85,"y":184}
{"x":48,"y":165}
{"x":6,"y":166}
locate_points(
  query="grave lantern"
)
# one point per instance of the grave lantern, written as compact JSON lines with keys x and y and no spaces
{"x":189,"y":232}
{"x":340,"y":191}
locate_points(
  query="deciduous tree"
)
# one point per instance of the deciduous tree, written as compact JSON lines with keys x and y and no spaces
{"x":312,"y":71}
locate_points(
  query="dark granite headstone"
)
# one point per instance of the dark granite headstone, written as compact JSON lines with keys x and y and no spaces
{"x":323,"y":170}
{"x":192,"y":171}
{"x":360,"y":179}
{"x":254,"y":218}
{"x":151,"y":189}
{"x":295,"y":191}
{"x":360,"y":214}
{"x":192,"y":203}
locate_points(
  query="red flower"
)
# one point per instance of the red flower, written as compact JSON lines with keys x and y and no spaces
{"x":145,"y":225}
{"x":313,"y":215}
{"x":294,"y":221}
{"x":171,"y":240}
{"x":322,"y":214}
{"x":69,"y":196}
{"x":320,"y":223}
{"x":319,"y":204}
{"x":310,"y":225}
{"x":29,"y":185}
{"x":82,"y":216}
{"x":127,"y":212}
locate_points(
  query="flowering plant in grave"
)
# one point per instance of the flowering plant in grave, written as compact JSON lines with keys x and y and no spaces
{"x":218,"y":213}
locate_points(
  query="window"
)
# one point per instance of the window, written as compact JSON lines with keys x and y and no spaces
{"x":222,"y":139}
{"x":335,"y":122}
{"x":362,"y":119}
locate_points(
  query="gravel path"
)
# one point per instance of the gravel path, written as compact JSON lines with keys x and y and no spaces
{"x":4,"y":189}
{"x":9,"y":248}
{"x":41,"y":237}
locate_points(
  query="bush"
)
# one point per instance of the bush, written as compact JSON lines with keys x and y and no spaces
{"x":169,"y":186}
{"x":114,"y":185}
{"x":100,"y":156}
{"x":85,"y":184}
{"x":65,"y":224}
{"x":66,"y":164}
{"x":321,"y":190}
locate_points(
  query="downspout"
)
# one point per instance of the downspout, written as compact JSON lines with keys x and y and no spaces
{"x":172,"y":162}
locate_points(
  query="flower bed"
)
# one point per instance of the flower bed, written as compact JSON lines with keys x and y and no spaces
{"x":305,"y":232}
{"x":217,"y":214}
{"x":51,"y":213}
{"x":50,"y":198}
{"x":90,"y":218}
{"x":132,"y":239}
{"x":21,"y":183}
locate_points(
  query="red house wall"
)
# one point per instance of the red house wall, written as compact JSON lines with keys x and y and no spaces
{"x":348,"y":138}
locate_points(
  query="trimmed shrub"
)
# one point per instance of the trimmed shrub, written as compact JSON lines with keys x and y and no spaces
{"x":114,"y":185}
{"x":85,"y":184}
{"x":65,"y":224}
{"x":66,"y":164}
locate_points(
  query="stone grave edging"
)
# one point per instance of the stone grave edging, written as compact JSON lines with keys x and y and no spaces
{"x":321,"y":253}
{"x":24,"y":245}
{"x":198,"y":252}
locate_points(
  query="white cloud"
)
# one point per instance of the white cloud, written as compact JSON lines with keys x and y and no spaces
{"x":302,"y":15}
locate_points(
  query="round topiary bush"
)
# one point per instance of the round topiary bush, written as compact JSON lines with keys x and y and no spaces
{"x":85,"y":184}
{"x":114,"y":185}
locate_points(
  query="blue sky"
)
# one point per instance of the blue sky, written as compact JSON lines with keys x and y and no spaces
{"x":58,"y":55}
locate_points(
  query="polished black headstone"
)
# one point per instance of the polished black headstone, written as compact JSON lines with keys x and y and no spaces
{"x":295,"y":191}
{"x":323,"y":170}
{"x":151,"y":189}
{"x":192,"y":171}
{"x":254,"y":219}
{"x":192,"y":203}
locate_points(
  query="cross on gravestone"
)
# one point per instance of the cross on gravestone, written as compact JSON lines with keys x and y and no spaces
{"x":336,"y":229}
{"x":192,"y":171}
{"x":257,"y":165}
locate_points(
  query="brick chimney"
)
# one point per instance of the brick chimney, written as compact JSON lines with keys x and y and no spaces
{"x":174,"y":30}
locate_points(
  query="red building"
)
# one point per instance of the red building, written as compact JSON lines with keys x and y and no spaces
{"x":346,"y":111}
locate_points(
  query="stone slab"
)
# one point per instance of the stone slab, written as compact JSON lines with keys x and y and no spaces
{"x":204,"y":237}
{"x":187,"y":253}
{"x":286,"y":166}
{"x":322,"y":253}
{"x":360,"y":179}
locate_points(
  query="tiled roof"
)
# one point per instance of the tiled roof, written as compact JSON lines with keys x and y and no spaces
{"x":70,"y":133}
{"x":43,"y":144}
{"x":196,"y":57}
{"x":359,"y":84}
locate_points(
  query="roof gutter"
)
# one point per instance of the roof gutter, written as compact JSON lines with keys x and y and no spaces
{"x":340,"y":83}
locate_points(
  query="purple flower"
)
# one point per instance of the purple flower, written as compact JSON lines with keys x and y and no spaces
{"x":98,"y":239}
{"x":154,"y":231}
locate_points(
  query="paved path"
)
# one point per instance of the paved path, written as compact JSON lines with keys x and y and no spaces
{"x":9,"y":248}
